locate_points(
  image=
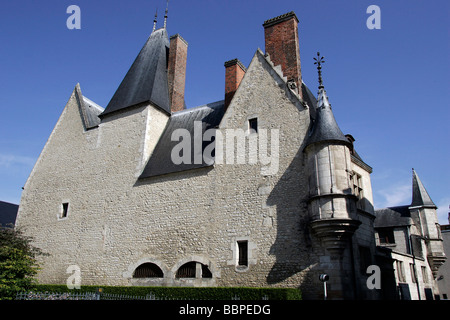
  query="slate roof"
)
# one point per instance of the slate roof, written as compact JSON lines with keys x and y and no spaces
{"x":392,"y":217}
{"x":89,"y":110}
{"x":8,"y":213}
{"x":146,"y":80}
{"x":325,"y":127}
{"x":310,"y":100}
{"x":160,"y":162}
{"x":420,"y":196}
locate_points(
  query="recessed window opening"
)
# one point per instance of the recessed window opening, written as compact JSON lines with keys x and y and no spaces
{"x":386,"y":236}
{"x":187,"y":270}
{"x":193,"y":269}
{"x":65,"y":210}
{"x":242,"y":253}
{"x":206,"y":273}
{"x":253,"y":125}
{"x":148,"y":270}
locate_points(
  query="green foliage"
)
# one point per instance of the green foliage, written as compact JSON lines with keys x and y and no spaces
{"x":208,"y":293}
{"x":18,"y":264}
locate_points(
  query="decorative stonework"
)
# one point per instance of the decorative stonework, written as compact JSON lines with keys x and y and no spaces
{"x":334,"y":233}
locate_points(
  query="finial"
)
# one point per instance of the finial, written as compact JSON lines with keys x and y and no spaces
{"x":155,"y":20}
{"x":165,"y":16}
{"x":319,"y":61}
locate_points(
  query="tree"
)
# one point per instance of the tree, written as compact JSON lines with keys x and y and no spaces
{"x":18,"y":265}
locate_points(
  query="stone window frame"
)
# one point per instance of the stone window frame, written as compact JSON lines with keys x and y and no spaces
{"x":251,"y":254}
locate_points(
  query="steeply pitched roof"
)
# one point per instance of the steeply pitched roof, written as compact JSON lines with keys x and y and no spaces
{"x":392,"y":217}
{"x":160,"y":162}
{"x":310,"y":100}
{"x":89,"y":110}
{"x":325,"y":127}
{"x":146,"y":80}
{"x":420,"y":196}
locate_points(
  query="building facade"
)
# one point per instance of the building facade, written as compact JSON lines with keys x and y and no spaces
{"x":411,"y":238}
{"x":259,"y":189}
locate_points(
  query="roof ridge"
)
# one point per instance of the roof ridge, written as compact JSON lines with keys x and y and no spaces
{"x":210,"y":105}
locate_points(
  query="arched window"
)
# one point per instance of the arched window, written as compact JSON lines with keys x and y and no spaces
{"x":148,"y":270}
{"x":189,"y":270}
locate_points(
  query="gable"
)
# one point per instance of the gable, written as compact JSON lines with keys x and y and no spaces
{"x":260,"y":70}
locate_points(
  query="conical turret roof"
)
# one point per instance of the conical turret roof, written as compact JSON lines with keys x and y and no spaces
{"x":420,"y":196}
{"x":325,"y":127}
{"x":146,"y":80}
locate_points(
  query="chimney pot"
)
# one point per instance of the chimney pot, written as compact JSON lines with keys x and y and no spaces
{"x":177,"y":72}
{"x":282,"y":45}
{"x":234,"y":72}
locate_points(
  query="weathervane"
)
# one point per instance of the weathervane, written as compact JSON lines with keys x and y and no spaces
{"x":165,"y":16}
{"x":319,"y":60}
{"x":155,"y":20}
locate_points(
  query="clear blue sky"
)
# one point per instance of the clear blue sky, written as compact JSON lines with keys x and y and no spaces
{"x":389,"y":88}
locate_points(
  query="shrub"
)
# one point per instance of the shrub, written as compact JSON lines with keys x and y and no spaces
{"x":191,"y":293}
{"x":18,"y":265}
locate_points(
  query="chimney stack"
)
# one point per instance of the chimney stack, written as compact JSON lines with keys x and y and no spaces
{"x":177,"y":72}
{"x":234,"y":72}
{"x":282,"y":44}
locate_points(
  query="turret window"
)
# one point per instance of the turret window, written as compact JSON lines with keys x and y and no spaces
{"x":357,"y":186}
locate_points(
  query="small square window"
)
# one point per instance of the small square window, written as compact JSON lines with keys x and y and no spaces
{"x":65,"y":210}
{"x":253,"y":125}
{"x":386,"y":236}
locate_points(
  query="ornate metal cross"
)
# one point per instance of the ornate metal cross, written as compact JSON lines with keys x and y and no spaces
{"x":319,"y":60}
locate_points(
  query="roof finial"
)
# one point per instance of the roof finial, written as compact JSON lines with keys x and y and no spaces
{"x":319,"y":62}
{"x":165,"y":16}
{"x":155,"y":20}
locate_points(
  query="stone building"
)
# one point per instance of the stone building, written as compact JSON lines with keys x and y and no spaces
{"x":443,"y":277}
{"x":259,"y":189}
{"x":410,"y":236}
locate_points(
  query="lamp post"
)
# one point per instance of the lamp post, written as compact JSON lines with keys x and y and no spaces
{"x":324,"y":278}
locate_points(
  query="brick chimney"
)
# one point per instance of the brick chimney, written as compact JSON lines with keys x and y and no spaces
{"x":281,"y":38}
{"x":234,"y":72}
{"x":177,"y":72}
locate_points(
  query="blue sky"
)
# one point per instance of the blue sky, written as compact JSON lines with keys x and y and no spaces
{"x":389,"y":87}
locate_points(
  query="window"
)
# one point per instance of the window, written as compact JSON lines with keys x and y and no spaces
{"x":357,"y":189}
{"x":187,"y":270}
{"x":400,"y":271}
{"x":206,"y":273}
{"x":438,"y":228}
{"x":253,"y":125}
{"x":190,"y":270}
{"x":386,"y":235}
{"x":148,"y":270}
{"x":242,"y":253}
{"x":424,"y":274}
{"x":413,"y":272}
{"x":65,"y":210}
